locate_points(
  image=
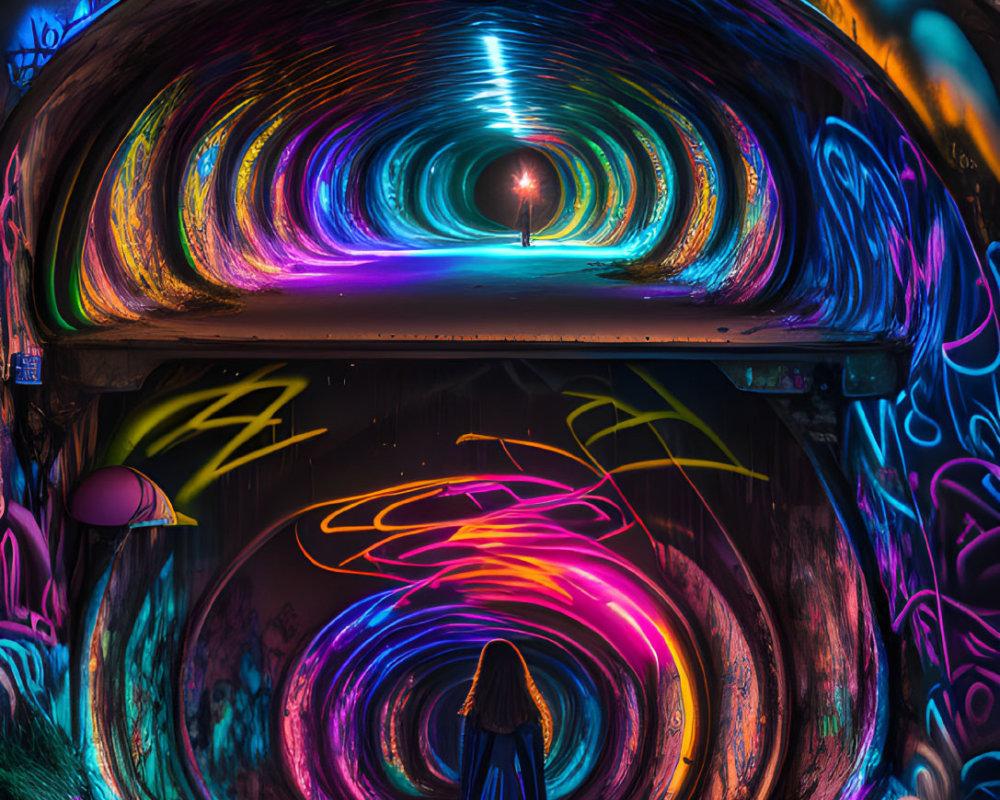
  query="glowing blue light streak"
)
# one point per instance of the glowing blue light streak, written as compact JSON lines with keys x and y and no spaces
{"x":503,"y":83}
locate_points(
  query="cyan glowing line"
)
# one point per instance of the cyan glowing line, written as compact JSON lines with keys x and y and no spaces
{"x":502,"y":82}
{"x":877,"y":443}
{"x":972,"y":762}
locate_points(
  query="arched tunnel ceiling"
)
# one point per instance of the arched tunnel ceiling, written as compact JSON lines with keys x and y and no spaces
{"x":302,"y":171}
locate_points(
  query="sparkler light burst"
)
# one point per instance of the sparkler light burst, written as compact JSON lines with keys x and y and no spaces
{"x":524,"y":184}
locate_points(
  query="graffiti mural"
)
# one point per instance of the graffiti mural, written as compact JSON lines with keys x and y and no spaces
{"x":327,"y":608}
{"x":658,"y":339}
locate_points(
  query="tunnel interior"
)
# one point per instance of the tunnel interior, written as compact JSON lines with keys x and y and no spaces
{"x":301,"y":408}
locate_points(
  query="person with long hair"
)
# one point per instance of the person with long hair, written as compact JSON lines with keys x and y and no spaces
{"x":507,"y":729}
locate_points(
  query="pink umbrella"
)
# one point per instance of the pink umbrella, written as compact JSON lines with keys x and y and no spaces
{"x":115,"y":496}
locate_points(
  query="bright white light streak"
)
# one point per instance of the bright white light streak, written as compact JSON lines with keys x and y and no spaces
{"x":499,"y":69}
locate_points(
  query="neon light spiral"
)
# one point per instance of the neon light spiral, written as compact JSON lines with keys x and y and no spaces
{"x":371,"y":705}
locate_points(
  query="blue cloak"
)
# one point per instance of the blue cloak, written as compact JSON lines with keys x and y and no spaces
{"x":503,"y":766}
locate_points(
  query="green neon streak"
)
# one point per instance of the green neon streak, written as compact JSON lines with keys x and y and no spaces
{"x":185,"y":244}
{"x":50,"y":286}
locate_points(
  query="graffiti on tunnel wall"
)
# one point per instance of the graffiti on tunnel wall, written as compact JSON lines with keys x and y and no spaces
{"x":283,"y":588}
{"x":329,"y":606}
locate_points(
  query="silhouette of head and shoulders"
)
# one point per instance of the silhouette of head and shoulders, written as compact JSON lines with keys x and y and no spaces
{"x":503,"y":696}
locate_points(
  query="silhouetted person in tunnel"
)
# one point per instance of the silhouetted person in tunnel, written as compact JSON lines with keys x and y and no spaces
{"x":524,"y":221}
{"x":507,"y":729}
{"x":525,"y":188}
